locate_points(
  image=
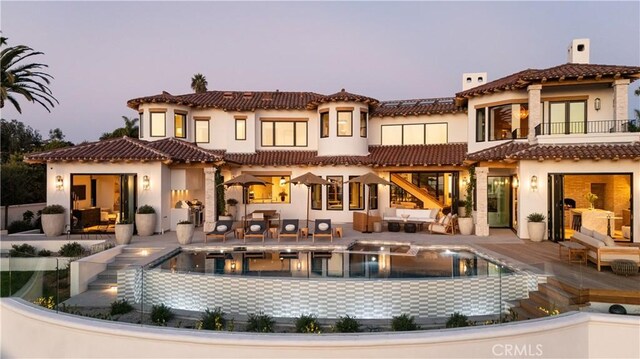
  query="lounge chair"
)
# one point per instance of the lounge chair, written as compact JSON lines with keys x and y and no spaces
{"x":221,"y":230}
{"x":446,"y":225}
{"x":290,"y":228}
{"x":255,"y":229}
{"x":322,"y":229}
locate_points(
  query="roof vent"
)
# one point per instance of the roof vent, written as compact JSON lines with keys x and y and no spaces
{"x":227,"y":95}
{"x":578,"y":51}
{"x":473,"y":79}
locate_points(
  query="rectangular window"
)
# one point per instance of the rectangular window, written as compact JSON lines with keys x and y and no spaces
{"x":363,"y":124}
{"x":436,"y":133}
{"x":356,"y":195}
{"x":392,"y":135}
{"x":324,"y":124}
{"x":158,"y":124}
{"x":277,"y":190}
{"x":316,"y":197}
{"x":508,"y":121}
{"x":345,"y":123}
{"x":202,"y":131}
{"x":567,"y":117}
{"x":284,"y":134}
{"x":413,"y":134}
{"x":140,"y":120}
{"x":480,"y":124}
{"x":180,"y":122}
{"x":241,"y":129}
{"x":334,"y":193}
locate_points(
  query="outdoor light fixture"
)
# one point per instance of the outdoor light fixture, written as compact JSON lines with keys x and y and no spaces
{"x":299,"y":266}
{"x":597,"y":103}
{"x":233,"y":266}
{"x":534,"y":183}
{"x":282,"y":181}
{"x":59,"y":183}
{"x":465,"y":181}
{"x":145,"y":183}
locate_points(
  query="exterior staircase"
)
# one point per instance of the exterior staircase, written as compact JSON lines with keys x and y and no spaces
{"x":421,"y":194}
{"x":109,"y":278}
{"x":553,"y":295}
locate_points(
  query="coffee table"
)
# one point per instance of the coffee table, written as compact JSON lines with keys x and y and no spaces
{"x":574,"y":249}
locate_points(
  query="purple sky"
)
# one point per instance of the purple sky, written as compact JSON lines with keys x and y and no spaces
{"x":103,"y":54}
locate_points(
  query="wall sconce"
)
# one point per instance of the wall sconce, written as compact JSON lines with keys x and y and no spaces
{"x":59,"y":183}
{"x":282,"y":181}
{"x":233,"y":266}
{"x":534,"y":183}
{"x":145,"y":183}
{"x":465,"y":181}
{"x":299,"y":266}
{"x":597,"y":103}
{"x":515,"y":182}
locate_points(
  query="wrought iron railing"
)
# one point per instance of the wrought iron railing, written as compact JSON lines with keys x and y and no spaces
{"x":582,"y":127}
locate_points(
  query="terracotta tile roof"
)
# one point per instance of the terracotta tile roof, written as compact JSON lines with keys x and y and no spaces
{"x":234,"y":100}
{"x":419,"y":155}
{"x":415,"y":107}
{"x":567,"y":71}
{"x":129,"y":149}
{"x":341,"y":160}
{"x":271,"y":158}
{"x":342,"y":96}
{"x":499,"y":152}
{"x":523,"y":151}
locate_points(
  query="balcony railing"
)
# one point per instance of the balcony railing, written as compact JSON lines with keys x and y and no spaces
{"x":581,"y":127}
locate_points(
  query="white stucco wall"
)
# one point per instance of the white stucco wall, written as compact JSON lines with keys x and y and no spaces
{"x":456,"y":125}
{"x":333,"y":145}
{"x":536,"y":201}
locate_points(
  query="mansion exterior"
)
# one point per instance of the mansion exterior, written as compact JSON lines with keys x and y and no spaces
{"x":538,"y":140}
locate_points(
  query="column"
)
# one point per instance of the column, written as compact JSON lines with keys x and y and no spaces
{"x":209,"y":198}
{"x":620,"y":99}
{"x":535,"y":111}
{"x":482,"y":218}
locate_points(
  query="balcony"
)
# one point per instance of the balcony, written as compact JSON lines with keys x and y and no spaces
{"x":588,"y":127}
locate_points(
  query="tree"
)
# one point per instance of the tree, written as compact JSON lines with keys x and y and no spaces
{"x":56,"y":140}
{"x":130,"y":129}
{"x":21,"y":183}
{"x":199,"y":83}
{"x":16,"y":138}
{"x":27,"y":80}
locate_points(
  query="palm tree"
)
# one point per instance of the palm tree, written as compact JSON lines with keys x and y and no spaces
{"x":23,"y":79}
{"x":199,"y":83}
{"x":130,"y":129}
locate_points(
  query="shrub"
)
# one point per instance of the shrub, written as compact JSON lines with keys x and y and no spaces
{"x":161,"y":314}
{"x":457,"y":320}
{"x":53,"y":209}
{"x":27,"y":216}
{"x":120,"y":307}
{"x":535,"y":217}
{"x":308,"y":324}
{"x":71,"y":250}
{"x":19,"y":226}
{"x":146,"y":209}
{"x":213,"y":319}
{"x":46,"y":302}
{"x":23,"y":250}
{"x":124,"y":221}
{"x":404,"y":323}
{"x":44,"y":253}
{"x":260,"y":323}
{"x":347,"y":324}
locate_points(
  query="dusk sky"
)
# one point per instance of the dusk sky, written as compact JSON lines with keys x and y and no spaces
{"x":103,"y":54}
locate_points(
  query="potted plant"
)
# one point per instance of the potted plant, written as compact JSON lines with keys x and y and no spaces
{"x":283,"y":195}
{"x":53,"y":220}
{"x":231,"y":208}
{"x":184,"y":230}
{"x":465,"y":222}
{"x":124,"y":232}
{"x":146,"y":220}
{"x":591,"y":198}
{"x":536,"y":226}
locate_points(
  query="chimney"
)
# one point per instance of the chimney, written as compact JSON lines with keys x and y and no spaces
{"x":473,"y":79}
{"x":578,"y":51}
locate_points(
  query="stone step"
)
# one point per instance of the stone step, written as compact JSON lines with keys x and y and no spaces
{"x":102,"y":284}
{"x":117,"y":266}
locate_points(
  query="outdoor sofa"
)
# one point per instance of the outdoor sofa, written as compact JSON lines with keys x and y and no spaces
{"x":602,"y":250}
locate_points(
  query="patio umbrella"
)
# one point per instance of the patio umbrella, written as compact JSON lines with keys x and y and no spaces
{"x":244,"y":180}
{"x":369,"y":179}
{"x":309,"y":179}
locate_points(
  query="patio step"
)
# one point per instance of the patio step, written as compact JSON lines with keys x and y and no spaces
{"x":532,"y":307}
{"x":524,"y":314}
{"x":102,"y":284}
{"x":558,"y":295}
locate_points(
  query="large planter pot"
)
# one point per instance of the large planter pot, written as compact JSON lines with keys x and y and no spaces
{"x":53,"y":224}
{"x":185,"y":233}
{"x":536,"y":231}
{"x":124,"y":233}
{"x":146,"y":224}
{"x":466,"y":225}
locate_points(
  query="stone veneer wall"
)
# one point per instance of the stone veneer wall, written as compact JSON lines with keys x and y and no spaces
{"x":617,"y":191}
{"x":327,"y":297}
